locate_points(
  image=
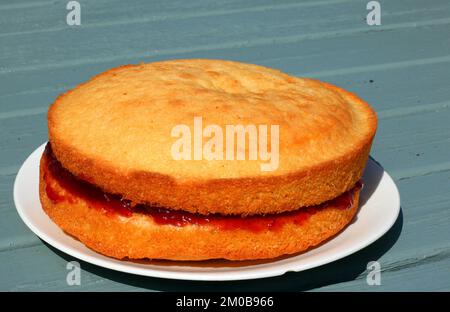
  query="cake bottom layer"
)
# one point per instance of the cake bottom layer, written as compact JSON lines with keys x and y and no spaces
{"x":115,"y":228}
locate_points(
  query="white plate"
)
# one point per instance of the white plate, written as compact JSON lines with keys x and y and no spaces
{"x":380,"y":206}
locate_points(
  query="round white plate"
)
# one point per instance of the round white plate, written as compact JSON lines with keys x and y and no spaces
{"x":379,"y":208}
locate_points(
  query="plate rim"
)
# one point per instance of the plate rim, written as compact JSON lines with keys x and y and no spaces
{"x":123,"y":266}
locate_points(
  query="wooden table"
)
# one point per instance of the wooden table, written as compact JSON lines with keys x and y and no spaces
{"x":401,"y":67}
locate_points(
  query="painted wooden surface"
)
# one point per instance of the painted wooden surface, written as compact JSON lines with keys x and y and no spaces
{"x":401,"y":67}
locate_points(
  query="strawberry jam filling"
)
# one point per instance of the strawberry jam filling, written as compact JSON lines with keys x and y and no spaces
{"x":113,"y":204}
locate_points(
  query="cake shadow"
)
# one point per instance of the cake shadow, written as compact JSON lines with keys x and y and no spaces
{"x":345,"y":269}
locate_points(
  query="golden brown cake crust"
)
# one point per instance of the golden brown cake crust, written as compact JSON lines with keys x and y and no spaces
{"x":114,"y":131}
{"x":139,"y":237}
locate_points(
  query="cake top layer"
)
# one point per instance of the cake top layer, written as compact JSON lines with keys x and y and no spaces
{"x":138,"y":118}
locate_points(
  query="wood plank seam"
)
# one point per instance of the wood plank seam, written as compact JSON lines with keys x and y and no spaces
{"x":178,"y":16}
{"x":224,"y":46}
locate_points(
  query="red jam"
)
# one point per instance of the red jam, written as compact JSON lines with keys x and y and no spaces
{"x":115,"y":204}
{"x":251,"y":223}
{"x":78,"y":188}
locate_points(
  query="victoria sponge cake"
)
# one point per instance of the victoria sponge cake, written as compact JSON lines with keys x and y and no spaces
{"x":204,"y":159}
